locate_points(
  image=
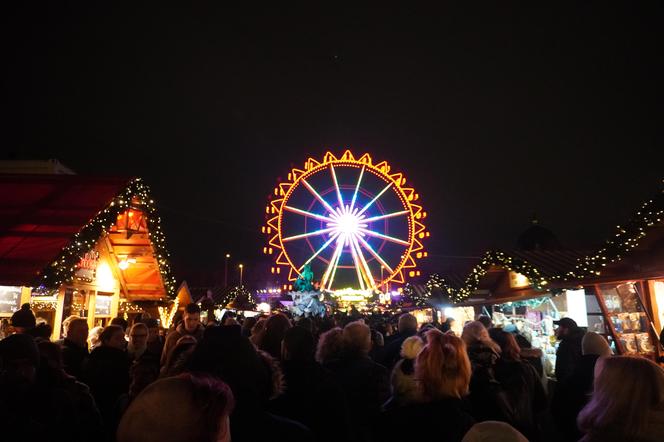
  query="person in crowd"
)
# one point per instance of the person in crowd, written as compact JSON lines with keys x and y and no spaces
{"x":307,"y":323}
{"x":42,"y":331}
{"x":377,"y":353}
{"x":122,"y":322}
{"x":407,"y":327}
{"x":572,"y":394}
{"x":248,"y":324}
{"x":485,"y":395}
{"x":85,"y":422}
{"x":528,"y":353}
{"x":485,"y":321}
{"x":523,"y":392}
{"x":312,"y":396}
{"x":448,"y":325}
{"x":257,"y":332}
{"x":482,"y":350}
{"x":188,"y":407}
{"x":4,"y":328}
{"x":22,"y":391}
{"x":493,"y":431}
{"x":23,"y":320}
{"x":155,"y":344}
{"x":93,"y":337}
{"x":569,"y":350}
{"x":138,"y":341}
{"x":107,"y":373}
{"x":225,"y":353}
{"x":75,"y":346}
{"x":364,"y":382}
{"x":404,"y":386}
{"x":179,"y":356}
{"x":330,"y":346}
{"x":627,"y":403}
{"x":191,"y":325}
{"x":443,"y":370}
{"x":143,"y":372}
{"x":275,"y":328}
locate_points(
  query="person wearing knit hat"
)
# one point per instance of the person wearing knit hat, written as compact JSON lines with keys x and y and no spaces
{"x":23,"y":320}
{"x":594,"y":344}
{"x":402,"y":380}
{"x":572,"y":394}
{"x":493,"y":431}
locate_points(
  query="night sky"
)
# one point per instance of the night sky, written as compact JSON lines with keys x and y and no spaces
{"x":493,"y":113}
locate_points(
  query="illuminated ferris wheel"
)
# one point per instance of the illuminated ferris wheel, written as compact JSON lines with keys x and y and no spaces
{"x":354,"y":222}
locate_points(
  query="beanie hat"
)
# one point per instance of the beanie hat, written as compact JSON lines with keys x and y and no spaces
{"x":19,"y":346}
{"x":24,"y":317}
{"x":493,"y":431}
{"x":411,"y":347}
{"x":594,"y":344}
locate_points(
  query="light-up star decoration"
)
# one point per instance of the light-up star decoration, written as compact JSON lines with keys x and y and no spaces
{"x":353,"y":222}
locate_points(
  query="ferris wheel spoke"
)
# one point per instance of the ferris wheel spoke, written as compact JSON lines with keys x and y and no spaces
{"x":323,"y":247}
{"x":387,"y":215}
{"x":317,"y":195}
{"x":385,"y":237}
{"x":364,"y":209}
{"x":336,"y":186}
{"x":357,"y":187}
{"x":308,"y":234}
{"x":309,"y":214}
{"x":358,"y":266}
{"x":374,"y":253}
{"x":334,"y":260}
{"x":334,"y":270}
{"x":365,"y":265}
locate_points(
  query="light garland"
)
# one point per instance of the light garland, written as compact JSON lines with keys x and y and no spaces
{"x":625,"y":239}
{"x":62,"y":269}
{"x":129,"y":307}
{"x":166,"y":315}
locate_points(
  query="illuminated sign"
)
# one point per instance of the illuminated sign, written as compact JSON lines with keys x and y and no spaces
{"x":10,"y":299}
{"x":87,"y":267}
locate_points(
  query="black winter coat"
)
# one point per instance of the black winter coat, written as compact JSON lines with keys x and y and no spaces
{"x":568,"y":354}
{"x":313,"y":398}
{"x":572,"y":395}
{"x":107,"y":375}
{"x":74,"y":358}
{"x":366,"y":387}
{"x":443,"y":420}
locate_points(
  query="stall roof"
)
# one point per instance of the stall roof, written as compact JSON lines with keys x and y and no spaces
{"x":41,"y":213}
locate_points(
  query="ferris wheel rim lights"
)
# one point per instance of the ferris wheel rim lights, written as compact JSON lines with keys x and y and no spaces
{"x":347,"y":224}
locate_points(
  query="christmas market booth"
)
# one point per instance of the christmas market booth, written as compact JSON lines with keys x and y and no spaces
{"x":521,"y":291}
{"x":77,"y":245}
{"x":616,"y":291}
{"x":627,"y":277}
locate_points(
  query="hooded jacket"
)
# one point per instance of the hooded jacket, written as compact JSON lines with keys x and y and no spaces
{"x":176,"y":334}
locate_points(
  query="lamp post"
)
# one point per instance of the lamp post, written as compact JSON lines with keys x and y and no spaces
{"x":226,"y":270}
{"x":241,"y":267}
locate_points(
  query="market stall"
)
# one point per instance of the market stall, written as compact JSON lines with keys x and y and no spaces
{"x":77,"y":245}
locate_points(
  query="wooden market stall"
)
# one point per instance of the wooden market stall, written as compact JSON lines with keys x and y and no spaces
{"x":76,"y":245}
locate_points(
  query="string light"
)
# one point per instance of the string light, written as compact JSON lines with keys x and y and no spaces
{"x":624,"y":240}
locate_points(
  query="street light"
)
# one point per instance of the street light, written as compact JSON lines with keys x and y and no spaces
{"x":226,"y":270}
{"x":241,"y":267}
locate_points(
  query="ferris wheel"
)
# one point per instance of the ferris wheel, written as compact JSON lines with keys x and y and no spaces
{"x":355,"y":223}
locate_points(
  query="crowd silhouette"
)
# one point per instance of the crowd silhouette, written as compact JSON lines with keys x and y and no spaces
{"x":346,"y":377}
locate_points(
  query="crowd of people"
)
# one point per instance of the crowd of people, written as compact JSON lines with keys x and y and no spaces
{"x":346,"y":377}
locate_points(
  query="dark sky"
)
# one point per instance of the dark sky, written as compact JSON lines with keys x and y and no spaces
{"x":493,"y":112}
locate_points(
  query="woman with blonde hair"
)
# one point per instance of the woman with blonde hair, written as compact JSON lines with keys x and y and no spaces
{"x":627,"y":402}
{"x":442,"y":370}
